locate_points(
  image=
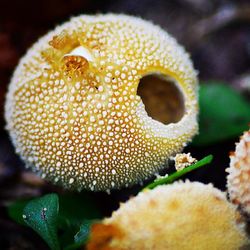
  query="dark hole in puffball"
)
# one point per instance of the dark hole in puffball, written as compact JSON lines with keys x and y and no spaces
{"x":163,"y":100}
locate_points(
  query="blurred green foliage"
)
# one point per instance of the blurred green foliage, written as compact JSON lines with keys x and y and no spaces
{"x":224,"y":114}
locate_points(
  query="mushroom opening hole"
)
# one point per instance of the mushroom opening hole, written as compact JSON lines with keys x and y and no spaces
{"x":162,"y":98}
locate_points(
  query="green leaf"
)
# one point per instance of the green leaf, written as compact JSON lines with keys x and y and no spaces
{"x":224,"y":114}
{"x":41,"y":215}
{"x":75,"y":210}
{"x":171,"y":178}
{"x":15,"y":211}
{"x":82,"y":235}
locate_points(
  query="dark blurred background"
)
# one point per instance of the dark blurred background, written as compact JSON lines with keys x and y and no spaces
{"x":216,"y":33}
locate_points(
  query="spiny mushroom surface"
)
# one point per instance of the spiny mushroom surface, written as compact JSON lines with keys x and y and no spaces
{"x":73,"y":111}
{"x":182,"y":216}
{"x":238,"y":179}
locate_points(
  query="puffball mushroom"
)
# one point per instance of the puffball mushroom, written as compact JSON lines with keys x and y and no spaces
{"x":181,"y":216}
{"x":238,"y":179}
{"x":73,"y":111}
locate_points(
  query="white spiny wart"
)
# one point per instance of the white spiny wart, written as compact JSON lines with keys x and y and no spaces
{"x":73,"y":109}
{"x":183,"y":160}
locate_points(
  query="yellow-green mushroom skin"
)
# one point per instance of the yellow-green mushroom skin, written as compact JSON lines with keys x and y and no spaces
{"x":73,"y":111}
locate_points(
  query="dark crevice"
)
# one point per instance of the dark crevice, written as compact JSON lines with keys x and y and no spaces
{"x":163,"y":100}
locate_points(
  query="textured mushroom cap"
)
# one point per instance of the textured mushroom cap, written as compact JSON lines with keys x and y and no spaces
{"x":238,"y":179}
{"x":73,"y":112}
{"x":182,"y":216}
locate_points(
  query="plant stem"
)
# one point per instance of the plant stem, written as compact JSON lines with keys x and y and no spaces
{"x":171,"y":178}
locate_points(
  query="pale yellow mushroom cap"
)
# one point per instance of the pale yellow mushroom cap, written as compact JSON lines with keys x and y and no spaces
{"x":238,"y":179}
{"x":182,"y":216}
{"x":73,"y":112}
